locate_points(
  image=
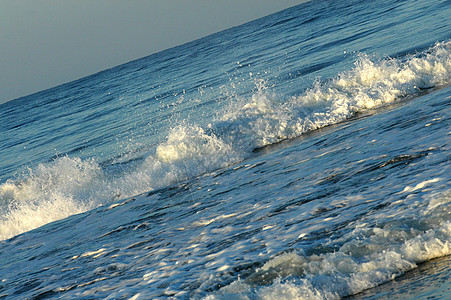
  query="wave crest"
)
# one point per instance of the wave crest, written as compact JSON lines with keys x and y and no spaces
{"x":371,"y":84}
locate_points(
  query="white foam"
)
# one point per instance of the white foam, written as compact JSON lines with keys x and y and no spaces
{"x":419,"y":185}
{"x":69,"y":185}
{"x":368,"y":257}
{"x":372,"y":83}
{"x":48,"y":193}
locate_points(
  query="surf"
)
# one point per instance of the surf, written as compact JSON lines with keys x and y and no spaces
{"x":69,"y":185}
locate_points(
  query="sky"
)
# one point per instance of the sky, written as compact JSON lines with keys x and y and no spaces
{"x":45,"y":43}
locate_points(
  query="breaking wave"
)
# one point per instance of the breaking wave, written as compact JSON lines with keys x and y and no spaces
{"x":68,"y":186}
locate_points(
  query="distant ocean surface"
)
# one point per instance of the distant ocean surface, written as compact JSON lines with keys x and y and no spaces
{"x":303,"y":155}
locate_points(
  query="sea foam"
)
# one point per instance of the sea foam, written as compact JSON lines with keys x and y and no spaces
{"x":68,"y":185}
{"x":371,"y":84}
{"x":367,"y":257}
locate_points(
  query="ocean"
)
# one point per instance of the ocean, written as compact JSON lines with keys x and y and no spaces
{"x":303,"y":155}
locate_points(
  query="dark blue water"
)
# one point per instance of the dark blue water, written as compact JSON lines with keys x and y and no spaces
{"x":301,"y":155}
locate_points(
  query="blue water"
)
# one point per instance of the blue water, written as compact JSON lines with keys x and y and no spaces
{"x":304,"y":155}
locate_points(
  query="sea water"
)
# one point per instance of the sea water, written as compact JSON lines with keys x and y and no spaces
{"x":304,"y":155}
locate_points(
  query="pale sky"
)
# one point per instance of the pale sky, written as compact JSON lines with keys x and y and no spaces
{"x":44,"y":43}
